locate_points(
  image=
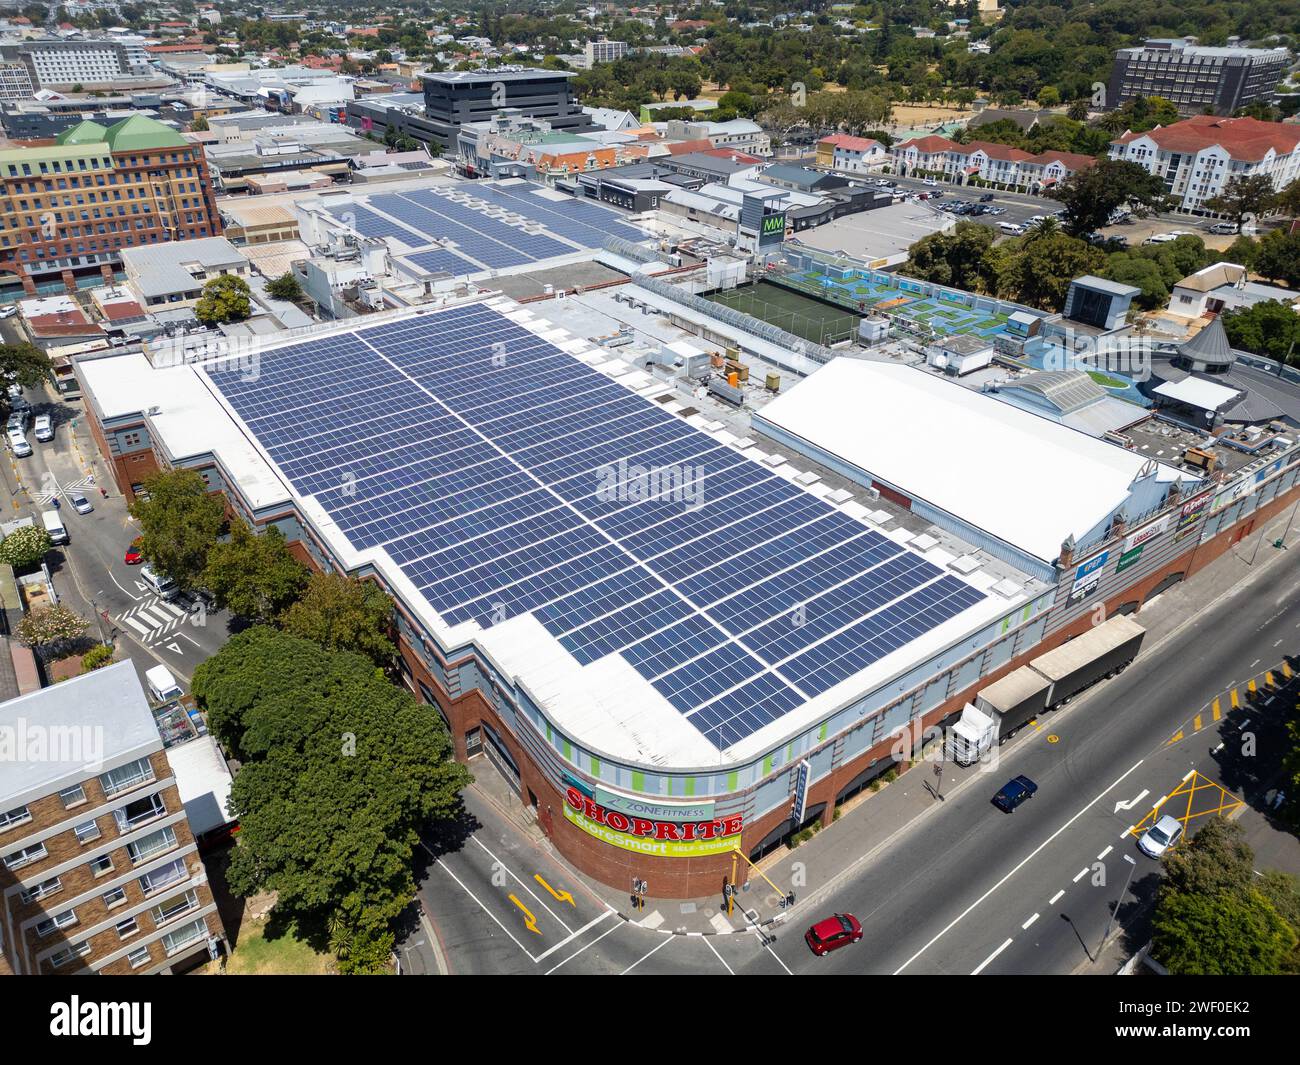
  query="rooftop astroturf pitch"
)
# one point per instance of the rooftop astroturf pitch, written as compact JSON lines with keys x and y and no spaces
{"x":944,"y":316}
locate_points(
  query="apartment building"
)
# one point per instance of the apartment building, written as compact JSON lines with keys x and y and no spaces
{"x":99,"y":871}
{"x":74,"y":205}
{"x":1195,"y":78}
{"x":1197,"y":157}
{"x":987,"y":161}
{"x":604,"y":51}
{"x":63,"y":62}
{"x":855,"y":155}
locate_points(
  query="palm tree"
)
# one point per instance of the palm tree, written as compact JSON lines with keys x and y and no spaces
{"x":1044,"y":227}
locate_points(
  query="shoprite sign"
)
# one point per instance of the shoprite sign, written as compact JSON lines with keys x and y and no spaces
{"x":646,"y":835}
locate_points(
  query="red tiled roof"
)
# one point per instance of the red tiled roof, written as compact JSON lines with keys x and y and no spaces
{"x":999,"y":151}
{"x":1247,"y":139}
{"x":730,"y":153}
{"x":929,"y":145}
{"x":1069,"y":160}
{"x":686,"y":147}
{"x":116,"y":312}
{"x":852,"y":144}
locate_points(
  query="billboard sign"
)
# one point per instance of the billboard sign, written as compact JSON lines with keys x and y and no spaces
{"x":644,"y":835}
{"x":1147,"y":532}
{"x":772,"y":229}
{"x":635,"y":806}
{"x":799,"y":805}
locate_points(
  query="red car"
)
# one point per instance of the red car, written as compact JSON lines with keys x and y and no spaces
{"x":833,"y":933}
{"x":132,"y":556}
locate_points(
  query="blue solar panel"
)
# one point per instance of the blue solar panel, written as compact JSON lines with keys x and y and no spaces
{"x":505,"y":476}
{"x":440,"y":259}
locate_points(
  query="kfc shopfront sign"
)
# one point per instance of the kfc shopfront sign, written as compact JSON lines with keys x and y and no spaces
{"x":652,"y":835}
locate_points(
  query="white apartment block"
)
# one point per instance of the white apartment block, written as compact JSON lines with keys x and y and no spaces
{"x":987,"y":161}
{"x":1197,"y":157}
{"x":604,"y":51}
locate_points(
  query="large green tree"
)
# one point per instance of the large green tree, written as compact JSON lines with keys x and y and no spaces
{"x":224,"y":299}
{"x":1270,"y":328}
{"x":341,"y":770}
{"x":1277,"y":257}
{"x":1039,"y":272}
{"x":342,"y":613}
{"x":960,"y":258}
{"x":22,"y":364}
{"x":25,"y":546}
{"x":254,"y":576}
{"x":1092,"y":195}
{"x":1244,"y":198}
{"x":180,"y":521}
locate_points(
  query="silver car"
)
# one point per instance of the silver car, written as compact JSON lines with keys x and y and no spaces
{"x":1161,"y":836}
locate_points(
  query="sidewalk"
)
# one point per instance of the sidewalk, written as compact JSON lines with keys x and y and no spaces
{"x":871,"y":820}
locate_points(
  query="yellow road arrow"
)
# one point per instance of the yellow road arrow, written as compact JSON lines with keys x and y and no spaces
{"x":559,"y":896}
{"x":531,"y":922}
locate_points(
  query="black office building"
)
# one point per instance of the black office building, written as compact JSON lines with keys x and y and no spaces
{"x":1195,"y":78}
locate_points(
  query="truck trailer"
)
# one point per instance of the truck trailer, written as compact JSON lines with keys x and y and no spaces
{"x":1047,"y":682}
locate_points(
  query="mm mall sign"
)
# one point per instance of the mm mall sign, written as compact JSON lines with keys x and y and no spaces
{"x":772,"y":229}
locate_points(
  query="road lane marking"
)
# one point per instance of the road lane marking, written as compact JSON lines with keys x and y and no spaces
{"x":1103,"y":854}
{"x":1080,"y":874}
{"x":584,"y":949}
{"x":717,"y":955}
{"x":495,"y":918}
{"x":559,"y":896}
{"x":666,"y":941}
{"x":1023,"y":862}
{"x":985,"y":963}
{"x":518,"y":881}
{"x":1025,"y":927}
{"x":135,"y":597}
{"x":530,"y":922}
{"x":574,"y":935}
{"x":1056,"y":898}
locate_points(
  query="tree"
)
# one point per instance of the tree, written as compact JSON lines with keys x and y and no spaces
{"x":285,"y":287}
{"x":1288,"y":200}
{"x":254,"y":576}
{"x":1041,"y":273}
{"x":25,"y":547}
{"x":97,"y":657}
{"x":181,"y":521}
{"x":341,"y":770}
{"x":959,"y":259}
{"x":50,"y":629}
{"x":200,"y":124}
{"x":1277,"y":257}
{"x":1269,"y":328}
{"x":224,"y":299}
{"x":23,"y":364}
{"x":1211,"y":916}
{"x":1243,"y":198}
{"x":341,"y":613}
{"x":1092,"y":195}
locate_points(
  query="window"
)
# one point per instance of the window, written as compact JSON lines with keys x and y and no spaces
{"x":154,"y":843}
{"x":101,"y":865}
{"x":43,"y":890}
{"x":17,"y":816}
{"x":163,"y":875}
{"x":128,"y":776}
{"x":72,"y":796}
{"x":175,"y":941}
{"x":138,"y":812}
{"x":17,"y":859}
{"x":114,"y":897}
{"x":87,"y":832}
{"x":66,"y":919}
{"x":61,"y":957}
{"x":171,"y":908}
{"x":127,"y":928}
{"x":138,"y":957}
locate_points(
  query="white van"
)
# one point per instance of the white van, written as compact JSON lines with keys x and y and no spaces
{"x":162,"y":685}
{"x":53,"y":523}
{"x":18,"y":443}
{"x":163,"y":587}
{"x":1014,"y":228}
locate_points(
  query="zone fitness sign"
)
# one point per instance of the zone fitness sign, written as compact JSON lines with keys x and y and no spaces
{"x":661,"y":839}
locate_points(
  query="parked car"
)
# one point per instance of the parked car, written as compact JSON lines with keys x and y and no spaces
{"x":80,"y":504}
{"x":995,"y":210}
{"x":44,"y":428}
{"x":133,"y":556}
{"x":1013,"y":793}
{"x":987,"y":198}
{"x":1012,"y":228}
{"x":836,"y":931}
{"x":9,"y":310}
{"x":1166,"y":238}
{"x":1161,"y":836}
{"x":930,"y":183}
{"x":18,"y":443}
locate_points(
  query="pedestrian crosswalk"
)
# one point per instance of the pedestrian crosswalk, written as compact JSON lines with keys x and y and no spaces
{"x":154,"y":619}
{"x":50,"y":489}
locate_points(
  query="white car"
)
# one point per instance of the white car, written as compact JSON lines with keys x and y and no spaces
{"x":1014,"y":228}
{"x":44,"y":428}
{"x":80,"y":504}
{"x":1161,"y":836}
{"x":9,"y":310}
{"x":18,"y":443}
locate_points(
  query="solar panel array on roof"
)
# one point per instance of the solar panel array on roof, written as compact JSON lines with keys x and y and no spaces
{"x":503,"y":476}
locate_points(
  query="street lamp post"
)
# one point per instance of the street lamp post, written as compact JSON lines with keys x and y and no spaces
{"x":1132,"y":865}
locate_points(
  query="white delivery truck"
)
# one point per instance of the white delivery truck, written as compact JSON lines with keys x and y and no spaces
{"x":53,"y":523}
{"x":163,"y":687}
{"x":1049,"y":681}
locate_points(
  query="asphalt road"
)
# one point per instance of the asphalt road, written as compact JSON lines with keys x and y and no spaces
{"x":89,"y":572}
{"x":969,"y":890}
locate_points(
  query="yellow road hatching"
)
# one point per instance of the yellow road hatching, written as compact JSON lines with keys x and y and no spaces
{"x":1214,"y":711}
{"x":1196,"y":796}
